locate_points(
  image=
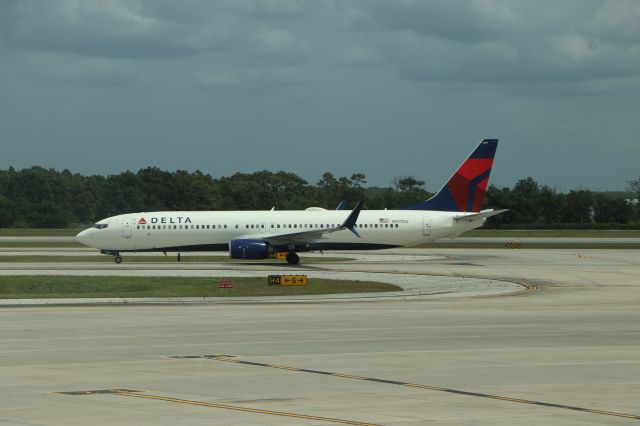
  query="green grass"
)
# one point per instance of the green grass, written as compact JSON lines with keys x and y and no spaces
{"x":156,"y":259}
{"x":555,"y":233}
{"x":566,"y":246}
{"x":41,"y":287}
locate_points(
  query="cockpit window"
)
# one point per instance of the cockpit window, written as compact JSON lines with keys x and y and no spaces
{"x":101,"y":225}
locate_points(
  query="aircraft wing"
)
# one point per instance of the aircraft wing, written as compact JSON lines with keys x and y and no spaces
{"x":303,"y":237}
{"x":482,"y":215}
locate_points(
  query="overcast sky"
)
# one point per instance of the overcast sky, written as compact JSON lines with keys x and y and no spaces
{"x":385,"y":88}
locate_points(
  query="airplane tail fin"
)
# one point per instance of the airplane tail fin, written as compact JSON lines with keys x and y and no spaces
{"x":464,"y":192}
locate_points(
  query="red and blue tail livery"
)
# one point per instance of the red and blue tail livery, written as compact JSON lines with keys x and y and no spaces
{"x":464,"y":192}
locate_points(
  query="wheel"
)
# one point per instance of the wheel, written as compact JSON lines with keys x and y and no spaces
{"x":292,"y":258}
{"x":118,"y":259}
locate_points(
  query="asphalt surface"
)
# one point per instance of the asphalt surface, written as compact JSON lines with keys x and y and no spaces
{"x":567,"y":353}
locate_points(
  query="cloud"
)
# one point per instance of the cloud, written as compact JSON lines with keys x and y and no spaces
{"x":356,"y":55}
{"x":80,"y":70}
{"x":503,"y":42}
{"x":458,"y":21}
{"x":277,"y":9}
{"x":108,"y":28}
{"x":617,"y":21}
{"x":279,"y":46}
{"x":250,"y":80}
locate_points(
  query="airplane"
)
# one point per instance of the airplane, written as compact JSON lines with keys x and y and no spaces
{"x":260,"y":234}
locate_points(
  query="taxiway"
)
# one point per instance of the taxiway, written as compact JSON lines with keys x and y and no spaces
{"x":566,"y":354}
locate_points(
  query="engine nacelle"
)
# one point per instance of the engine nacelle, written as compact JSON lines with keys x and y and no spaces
{"x":249,"y":249}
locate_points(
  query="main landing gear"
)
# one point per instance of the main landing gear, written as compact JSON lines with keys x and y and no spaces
{"x":117,"y":258}
{"x":293,"y":258}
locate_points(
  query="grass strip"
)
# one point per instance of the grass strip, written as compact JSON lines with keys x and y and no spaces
{"x":565,"y":246}
{"x":552,"y":233}
{"x":45,"y":287}
{"x":156,"y":259}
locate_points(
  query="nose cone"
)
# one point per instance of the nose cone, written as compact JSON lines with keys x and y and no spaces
{"x":84,"y":237}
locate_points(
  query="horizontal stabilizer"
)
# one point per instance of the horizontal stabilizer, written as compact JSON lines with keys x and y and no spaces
{"x":482,"y":215}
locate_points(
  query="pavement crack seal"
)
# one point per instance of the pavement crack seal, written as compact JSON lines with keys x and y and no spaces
{"x":233,"y":359}
{"x":144,"y":395}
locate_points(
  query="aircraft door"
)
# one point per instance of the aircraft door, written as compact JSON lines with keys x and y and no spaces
{"x":127,"y":227}
{"x":426,"y":226}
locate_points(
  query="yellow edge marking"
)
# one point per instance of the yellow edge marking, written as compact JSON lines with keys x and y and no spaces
{"x":448,"y":390}
{"x":282,"y":367}
{"x":348,"y":376}
{"x":435,"y":388}
{"x":239,"y":408}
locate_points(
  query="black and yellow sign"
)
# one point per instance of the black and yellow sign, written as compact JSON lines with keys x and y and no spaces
{"x":287,"y":280}
{"x":513,"y":246}
{"x":281,"y":255}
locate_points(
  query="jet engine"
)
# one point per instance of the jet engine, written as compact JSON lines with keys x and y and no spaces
{"x":249,"y":249}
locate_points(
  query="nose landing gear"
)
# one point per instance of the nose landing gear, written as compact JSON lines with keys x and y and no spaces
{"x":116,"y":255}
{"x":293,"y":258}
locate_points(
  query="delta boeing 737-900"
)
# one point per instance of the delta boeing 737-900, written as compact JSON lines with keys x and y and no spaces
{"x":259,"y":234}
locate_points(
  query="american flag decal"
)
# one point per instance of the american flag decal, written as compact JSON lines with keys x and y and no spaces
{"x":384,"y":220}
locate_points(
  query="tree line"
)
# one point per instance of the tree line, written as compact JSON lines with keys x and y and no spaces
{"x":47,"y":198}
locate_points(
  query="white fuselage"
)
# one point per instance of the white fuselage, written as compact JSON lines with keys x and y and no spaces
{"x":213,"y":230}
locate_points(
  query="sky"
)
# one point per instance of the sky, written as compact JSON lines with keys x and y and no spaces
{"x":384,"y":88}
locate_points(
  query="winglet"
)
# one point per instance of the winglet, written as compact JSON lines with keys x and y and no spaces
{"x":342,"y":205}
{"x":350,"y":222}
